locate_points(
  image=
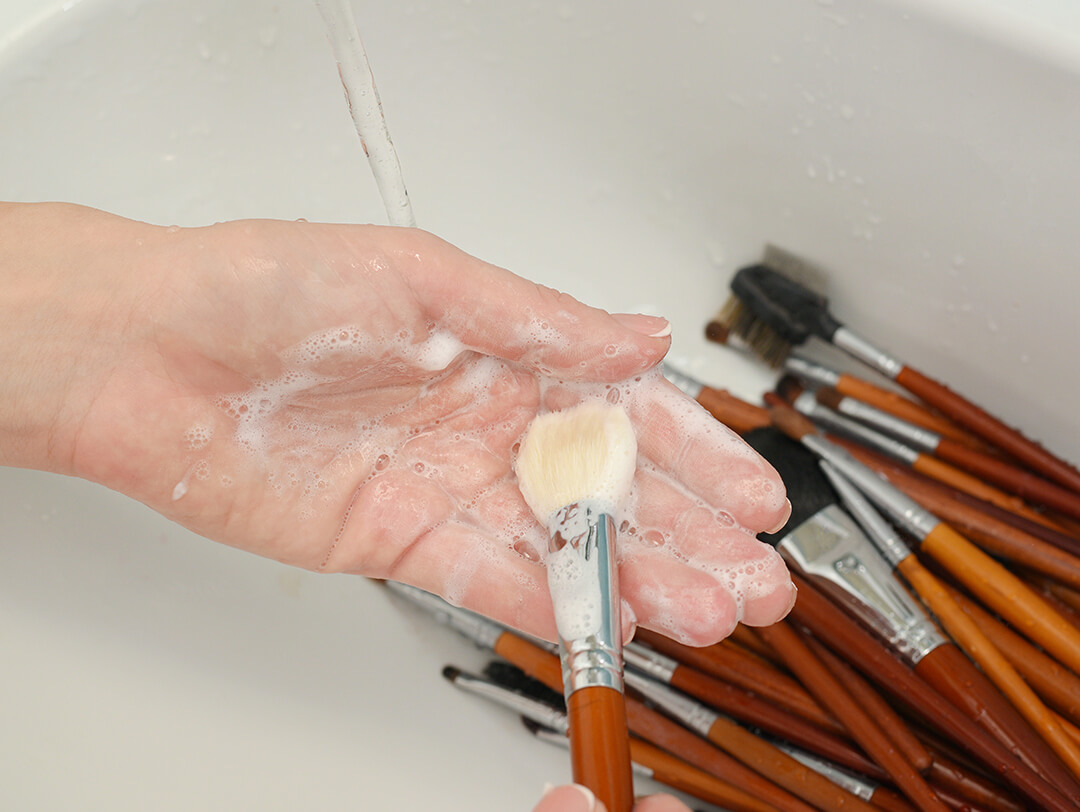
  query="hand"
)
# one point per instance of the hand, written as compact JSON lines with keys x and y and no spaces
{"x":347,"y":399}
{"x":575,"y":798}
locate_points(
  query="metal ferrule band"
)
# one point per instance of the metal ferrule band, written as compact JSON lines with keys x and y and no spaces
{"x":866,"y":352}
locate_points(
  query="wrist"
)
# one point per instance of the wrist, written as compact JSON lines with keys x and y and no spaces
{"x":63,"y":310}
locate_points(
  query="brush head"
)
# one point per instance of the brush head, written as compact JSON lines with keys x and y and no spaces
{"x":586,"y":454}
{"x":773,"y":313}
{"x":512,"y":678}
{"x":827,"y":396}
{"x":808,"y":489}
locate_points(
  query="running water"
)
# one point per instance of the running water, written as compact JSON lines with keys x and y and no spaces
{"x":366,"y":109}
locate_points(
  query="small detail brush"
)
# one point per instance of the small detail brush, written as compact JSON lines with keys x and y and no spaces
{"x":575,"y":468}
{"x":773,"y":312}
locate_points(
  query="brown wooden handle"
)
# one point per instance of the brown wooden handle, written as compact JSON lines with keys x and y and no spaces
{"x":600,"y":745}
{"x":1006,"y":594}
{"x":989,"y":427}
{"x":1013,"y":479}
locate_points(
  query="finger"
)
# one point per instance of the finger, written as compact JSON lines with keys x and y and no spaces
{"x":496,"y":312}
{"x":470,"y":569}
{"x":660,"y":803}
{"x":573,"y":798}
{"x":691,"y":573}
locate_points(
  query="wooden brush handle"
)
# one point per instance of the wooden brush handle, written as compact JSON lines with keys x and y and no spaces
{"x":828,"y":690}
{"x":736,"y":414}
{"x":905,"y":409}
{"x":1059,"y":686}
{"x":958,"y":679}
{"x":1014,"y":479}
{"x":782,"y":769}
{"x":600,"y":745}
{"x":676,"y":773}
{"x":1003,"y":592}
{"x":848,"y":638}
{"x":989,"y":427}
{"x":970,"y":638}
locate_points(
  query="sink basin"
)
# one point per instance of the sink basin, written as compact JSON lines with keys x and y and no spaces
{"x":635,"y":154}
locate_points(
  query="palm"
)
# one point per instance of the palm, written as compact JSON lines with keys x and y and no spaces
{"x":311,"y":398}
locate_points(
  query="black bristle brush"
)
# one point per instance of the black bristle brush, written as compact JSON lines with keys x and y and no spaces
{"x":773,"y":312}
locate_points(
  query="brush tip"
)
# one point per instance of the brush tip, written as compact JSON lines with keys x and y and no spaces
{"x":587,"y":453}
{"x":451,"y":672}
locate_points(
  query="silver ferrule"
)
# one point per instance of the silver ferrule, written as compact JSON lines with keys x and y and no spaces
{"x":855,"y":784}
{"x":830,"y":549}
{"x":689,"y":386}
{"x":687,"y":711}
{"x":590,"y":643}
{"x":811,"y":372}
{"x":911,"y":434}
{"x":905,"y":511}
{"x":649,"y":662}
{"x":837,"y":423}
{"x":866,"y":352}
{"x":480,"y":630}
{"x":533,"y":709}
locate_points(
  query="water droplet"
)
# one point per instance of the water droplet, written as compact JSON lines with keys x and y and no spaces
{"x":653,"y":537}
{"x":381,"y":462}
{"x":613,"y":396}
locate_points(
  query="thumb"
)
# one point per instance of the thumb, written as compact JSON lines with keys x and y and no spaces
{"x":569,"y":798}
{"x":496,"y":312}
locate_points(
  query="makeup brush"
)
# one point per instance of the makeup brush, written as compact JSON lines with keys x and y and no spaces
{"x":968,"y":636}
{"x":736,"y":414}
{"x":575,"y":468}
{"x":817,"y":375}
{"x":825,"y":544}
{"x":511,"y":688}
{"x":643,"y":721}
{"x":1035,"y":549}
{"x":850,"y":640}
{"x":773,"y":312}
{"x":993,"y":470}
{"x":754,"y":751}
{"x":987,"y":579}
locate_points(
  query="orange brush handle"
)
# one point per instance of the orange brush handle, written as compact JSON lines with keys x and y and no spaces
{"x":970,"y":638}
{"x":989,"y":427}
{"x":1006,"y":594}
{"x":600,"y":745}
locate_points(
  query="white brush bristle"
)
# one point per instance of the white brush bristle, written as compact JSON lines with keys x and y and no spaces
{"x":587,"y":453}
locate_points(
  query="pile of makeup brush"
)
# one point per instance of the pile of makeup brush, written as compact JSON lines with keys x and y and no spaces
{"x":931,"y":660}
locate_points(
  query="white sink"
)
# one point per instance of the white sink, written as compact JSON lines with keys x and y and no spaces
{"x":634,"y":154}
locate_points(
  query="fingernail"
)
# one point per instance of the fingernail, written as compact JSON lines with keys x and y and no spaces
{"x":651,"y":326}
{"x":784,"y":521}
{"x":570,"y":798}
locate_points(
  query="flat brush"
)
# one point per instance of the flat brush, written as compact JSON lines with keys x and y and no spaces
{"x":575,"y":468}
{"x":994,"y":585}
{"x":972,"y":640}
{"x":841,"y":556}
{"x":1014,"y":480}
{"x":1001,"y":538}
{"x":840,"y":632}
{"x":774,"y":312}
